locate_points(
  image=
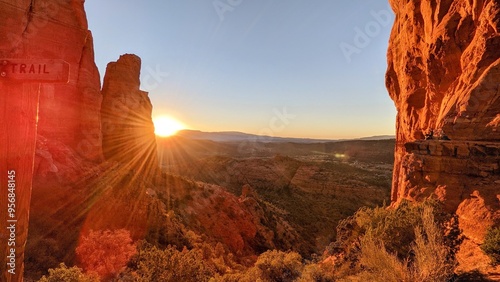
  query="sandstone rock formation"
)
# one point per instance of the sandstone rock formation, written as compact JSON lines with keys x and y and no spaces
{"x":49,"y":29}
{"x":68,"y":114}
{"x":443,"y":75}
{"x":68,"y":167}
{"x":127,"y":128}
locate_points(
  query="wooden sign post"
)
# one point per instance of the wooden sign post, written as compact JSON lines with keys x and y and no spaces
{"x":20,"y":83}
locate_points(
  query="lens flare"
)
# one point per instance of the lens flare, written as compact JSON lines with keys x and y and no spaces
{"x":166,"y":126}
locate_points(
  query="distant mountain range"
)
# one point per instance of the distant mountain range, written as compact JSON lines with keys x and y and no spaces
{"x":234,"y":136}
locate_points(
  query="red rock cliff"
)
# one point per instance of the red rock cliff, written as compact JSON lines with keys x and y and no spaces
{"x":127,"y":128}
{"x":444,"y":76}
{"x":50,"y":29}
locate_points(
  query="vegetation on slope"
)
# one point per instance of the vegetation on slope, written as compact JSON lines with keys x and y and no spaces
{"x":491,"y":245}
{"x":408,"y":243}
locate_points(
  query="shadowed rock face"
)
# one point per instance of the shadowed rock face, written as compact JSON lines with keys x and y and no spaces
{"x":444,"y":75}
{"x":127,"y":128}
{"x":49,"y":29}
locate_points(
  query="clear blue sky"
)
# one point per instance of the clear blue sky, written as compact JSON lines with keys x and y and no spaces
{"x":296,"y":68}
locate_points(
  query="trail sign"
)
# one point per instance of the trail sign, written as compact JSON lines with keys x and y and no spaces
{"x":20,"y":84}
{"x":28,"y":70}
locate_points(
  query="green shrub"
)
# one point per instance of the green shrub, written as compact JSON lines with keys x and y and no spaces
{"x":65,"y":274}
{"x":491,"y":245}
{"x":395,"y":227}
{"x":279,"y":266}
{"x":271,"y":266}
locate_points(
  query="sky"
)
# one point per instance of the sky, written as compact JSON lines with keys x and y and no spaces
{"x":288,"y":68}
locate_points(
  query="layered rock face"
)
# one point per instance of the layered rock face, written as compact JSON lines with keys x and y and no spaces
{"x":51,"y":29}
{"x":127,"y":128}
{"x":444,"y":76}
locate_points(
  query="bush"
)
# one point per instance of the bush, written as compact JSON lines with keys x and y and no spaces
{"x":491,"y":245}
{"x":428,"y":259}
{"x":431,"y":261}
{"x":41,"y":254}
{"x":394,"y":227}
{"x":271,"y":266}
{"x":153,"y":264}
{"x":380,"y":264}
{"x":413,"y":240}
{"x":317,"y":273}
{"x":105,"y":252}
{"x":65,"y":274}
{"x":279,"y":266}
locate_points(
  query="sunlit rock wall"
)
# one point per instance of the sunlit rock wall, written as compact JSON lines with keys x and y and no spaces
{"x":52,"y":29}
{"x":444,"y":76}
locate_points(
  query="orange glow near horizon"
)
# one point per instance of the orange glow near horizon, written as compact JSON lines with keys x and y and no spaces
{"x":166,"y":126}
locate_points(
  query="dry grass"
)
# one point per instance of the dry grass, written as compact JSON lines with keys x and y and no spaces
{"x":429,"y":261}
{"x":380,"y":264}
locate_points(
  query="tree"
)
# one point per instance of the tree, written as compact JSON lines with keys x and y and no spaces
{"x":105,"y":252}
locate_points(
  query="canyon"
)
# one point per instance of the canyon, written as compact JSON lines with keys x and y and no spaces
{"x":96,"y":152}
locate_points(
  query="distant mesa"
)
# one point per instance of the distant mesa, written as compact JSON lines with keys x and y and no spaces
{"x":234,"y":136}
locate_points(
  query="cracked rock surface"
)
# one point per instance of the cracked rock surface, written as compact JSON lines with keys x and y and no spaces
{"x":444,"y":77}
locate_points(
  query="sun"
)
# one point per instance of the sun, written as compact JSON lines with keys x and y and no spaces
{"x":166,"y":126}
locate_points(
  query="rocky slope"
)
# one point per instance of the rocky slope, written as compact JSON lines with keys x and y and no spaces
{"x":313,"y":193}
{"x":443,"y":70}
